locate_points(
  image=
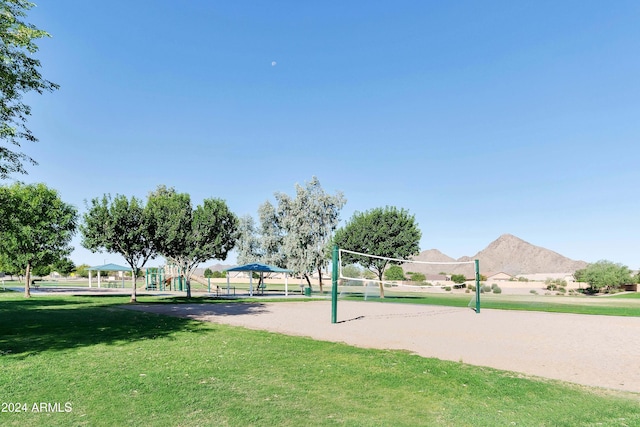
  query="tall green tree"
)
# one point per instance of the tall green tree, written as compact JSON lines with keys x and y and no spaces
{"x":7,"y":268}
{"x":64,"y":266}
{"x":37,"y":228}
{"x":308,"y":222}
{"x":394,"y":272}
{"x":386,"y":232}
{"x":41,"y":270}
{"x":82,"y":270}
{"x":605,"y":275}
{"x":271,"y":236}
{"x":187,"y":236}
{"x":248,"y":244}
{"x":121,"y":226}
{"x":19,"y":74}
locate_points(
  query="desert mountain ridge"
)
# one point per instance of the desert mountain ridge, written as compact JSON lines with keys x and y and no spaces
{"x":508,"y":254}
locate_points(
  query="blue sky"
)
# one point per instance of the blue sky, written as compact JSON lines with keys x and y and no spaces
{"x":480,"y":118}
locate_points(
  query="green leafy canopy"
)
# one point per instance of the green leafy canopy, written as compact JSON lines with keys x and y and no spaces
{"x":19,"y":74}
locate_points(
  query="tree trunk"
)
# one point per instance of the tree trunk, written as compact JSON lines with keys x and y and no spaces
{"x":320,"y":279}
{"x":188,"y":284}
{"x":133,"y":288}
{"x":27,"y":282}
{"x":381,"y":287}
{"x":306,"y":276}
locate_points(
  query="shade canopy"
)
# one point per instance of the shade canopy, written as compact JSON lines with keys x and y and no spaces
{"x":109,"y":267}
{"x":260,"y":268}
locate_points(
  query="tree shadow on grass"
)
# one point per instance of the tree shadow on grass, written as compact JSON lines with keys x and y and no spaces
{"x":34,"y":325}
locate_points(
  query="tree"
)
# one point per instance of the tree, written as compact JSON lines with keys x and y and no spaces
{"x":19,"y":74}
{"x":605,"y":275}
{"x":386,"y":232}
{"x":64,"y":266}
{"x":82,"y":270}
{"x":417,"y":277}
{"x":120,"y":226}
{"x":37,"y":228}
{"x":248,"y":244}
{"x":458,"y":278}
{"x":308,"y":222}
{"x":208,"y":274}
{"x":394,"y":272}
{"x":271,"y":237}
{"x":578,"y":275}
{"x":7,"y":268}
{"x":188,"y":237}
{"x":352,"y":270}
{"x":41,"y":270}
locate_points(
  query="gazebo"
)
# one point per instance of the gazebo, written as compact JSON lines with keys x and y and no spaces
{"x":260,"y":268}
{"x":108,"y":267}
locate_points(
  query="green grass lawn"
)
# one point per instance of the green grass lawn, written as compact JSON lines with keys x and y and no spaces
{"x":121,"y":367}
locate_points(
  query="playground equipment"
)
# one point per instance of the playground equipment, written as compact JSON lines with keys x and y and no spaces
{"x":157,"y":279}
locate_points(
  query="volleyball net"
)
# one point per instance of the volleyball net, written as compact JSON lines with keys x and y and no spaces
{"x":364,"y":276}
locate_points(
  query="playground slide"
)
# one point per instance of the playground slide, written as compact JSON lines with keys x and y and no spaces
{"x":199,"y":279}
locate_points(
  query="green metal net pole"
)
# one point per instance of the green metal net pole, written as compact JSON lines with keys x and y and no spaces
{"x":477,"y":264}
{"x":334,"y":285}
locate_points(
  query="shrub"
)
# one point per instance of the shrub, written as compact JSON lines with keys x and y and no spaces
{"x":497,"y":290}
{"x":555,"y":284}
{"x":417,"y":277}
{"x":533,"y":291}
{"x":485,"y":288}
{"x":394,"y":272}
{"x":458,"y":278}
{"x":471,"y":288}
{"x":447,"y":288}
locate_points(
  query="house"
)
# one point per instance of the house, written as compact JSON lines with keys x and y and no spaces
{"x":499,"y":276}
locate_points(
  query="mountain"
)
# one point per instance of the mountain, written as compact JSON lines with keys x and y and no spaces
{"x":508,"y":254}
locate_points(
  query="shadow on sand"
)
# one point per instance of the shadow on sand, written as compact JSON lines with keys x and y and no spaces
{"x":196,"y":310}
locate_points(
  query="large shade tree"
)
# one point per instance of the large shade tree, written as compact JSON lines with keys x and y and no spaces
{"x":37,"y":227}
{"x":308,"y":221}
{"x":188,"y":237}
{"x":19,"y":74}
{"x":271,"y":236}
{"x":248,"y":244}
{"x":121,"y":226}
{"x":386,"y":232}
{"x":604,"y":274}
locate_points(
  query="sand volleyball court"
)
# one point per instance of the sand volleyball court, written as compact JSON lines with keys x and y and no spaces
{"x":601,"y":351}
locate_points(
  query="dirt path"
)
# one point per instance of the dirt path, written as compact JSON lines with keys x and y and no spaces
{"x":601,"y":351}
